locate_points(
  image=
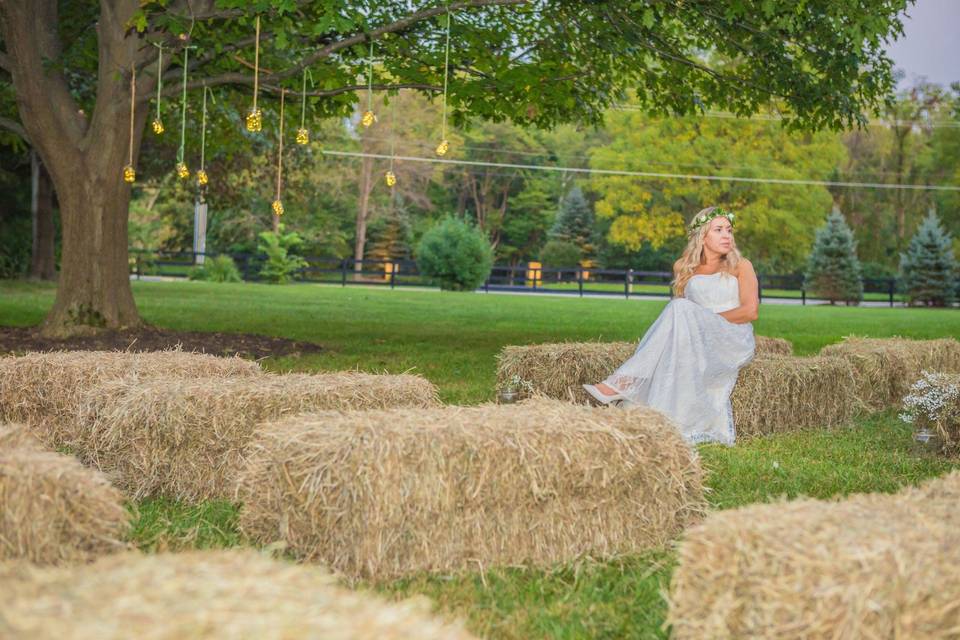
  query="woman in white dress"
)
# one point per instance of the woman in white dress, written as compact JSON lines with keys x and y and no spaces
{"x":687,"y":363}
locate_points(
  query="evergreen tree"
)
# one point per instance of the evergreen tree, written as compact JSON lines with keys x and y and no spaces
{"x":928,"y":269}
{"x":390,"y":237}
{"x":833,"y":270}
{"x":574,"y":222}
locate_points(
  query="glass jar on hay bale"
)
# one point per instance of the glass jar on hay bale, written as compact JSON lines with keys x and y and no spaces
{"x":514,"y":389}
{"x":933,"y":409}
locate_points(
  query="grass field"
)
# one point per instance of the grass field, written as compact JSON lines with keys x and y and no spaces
{"x":452,"y":339}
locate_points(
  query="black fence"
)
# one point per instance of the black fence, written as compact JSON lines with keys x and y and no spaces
{"x":579,"y":281}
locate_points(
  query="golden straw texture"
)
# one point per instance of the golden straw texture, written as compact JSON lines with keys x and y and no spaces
{"x":44,"y":389}
{"x":203,"y":595}
{"x":53,"y":510}
{"x":381,"y":494}
{"x":777,"y":394}
{"x":870,"y":566}
{"x":185,"y":438}
{"x":886,"y":367}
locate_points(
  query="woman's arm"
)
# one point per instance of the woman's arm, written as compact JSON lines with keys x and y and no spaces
{"x":749,"y":298}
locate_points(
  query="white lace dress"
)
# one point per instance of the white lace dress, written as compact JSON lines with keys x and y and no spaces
{"x":687,"y":363}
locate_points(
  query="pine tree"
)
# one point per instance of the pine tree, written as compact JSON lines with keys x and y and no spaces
{"x":833,"y":269}
{"x":574,"y":223}
{"x":928,"y":269}
{"x":390,"y":237}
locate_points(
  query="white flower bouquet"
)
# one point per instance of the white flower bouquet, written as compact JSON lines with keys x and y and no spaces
{"x":933,"y":408}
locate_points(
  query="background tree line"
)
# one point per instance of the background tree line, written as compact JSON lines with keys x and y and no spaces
{"x":340,"y":206}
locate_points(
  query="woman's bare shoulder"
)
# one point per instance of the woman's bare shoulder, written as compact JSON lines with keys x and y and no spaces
{"x":744,"y":268}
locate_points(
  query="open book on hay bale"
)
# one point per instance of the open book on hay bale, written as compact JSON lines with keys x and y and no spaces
{"x":869,"y":566}
{"x":185,"y":438}
{"x":204,"y":595}
{"x":386,"y":493}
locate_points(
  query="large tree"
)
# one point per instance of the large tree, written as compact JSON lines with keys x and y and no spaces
{"x":531,"y":61}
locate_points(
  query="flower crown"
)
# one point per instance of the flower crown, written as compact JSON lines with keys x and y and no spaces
{"x":704,"y":218}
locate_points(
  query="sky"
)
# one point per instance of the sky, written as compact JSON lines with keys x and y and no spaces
{"x":929,"y":46}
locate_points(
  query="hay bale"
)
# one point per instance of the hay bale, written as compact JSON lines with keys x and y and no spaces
{"x":54,"y":510}
{"x":870,"y":566}
{"x":185,"y":438}
{"x":382,"y":494}
{"x":558,"y":370}
{"x":886,"y":367}
{"x":18,"y":436}
{"x":204,"y":595}
{"x":776,"y":394}
{"x":45,"y":388}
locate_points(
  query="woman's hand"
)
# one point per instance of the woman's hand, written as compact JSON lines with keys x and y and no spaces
{"x":748,"y":311}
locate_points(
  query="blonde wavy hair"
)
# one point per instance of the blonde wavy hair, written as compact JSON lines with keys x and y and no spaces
{"x":692,"y":257}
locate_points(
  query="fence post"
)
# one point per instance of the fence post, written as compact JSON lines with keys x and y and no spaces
{"x":759,"y":289}
{"x":393,"y":273}
{"x":890,"y":288}
{"x":138,"y":265}
{"x":580,"y":280}
{"x":627,"y":281}
{"x":343,"y":272}
{"x":803,"y":294}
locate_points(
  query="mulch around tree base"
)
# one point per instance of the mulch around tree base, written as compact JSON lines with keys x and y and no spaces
{"x":18,"y":340}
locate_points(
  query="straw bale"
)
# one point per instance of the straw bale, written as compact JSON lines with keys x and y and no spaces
{"x":54,"y":510}
{"x":382,"y":494}
{"x":558,"y":370}
{"x":185,"y":438}
{"x":776,"y":394}
{"x":18,"y":436}
{"x":886,"y":367}
{"x":870,"y":566}
{"x":45,"y":388}
{"x":203,"y":595}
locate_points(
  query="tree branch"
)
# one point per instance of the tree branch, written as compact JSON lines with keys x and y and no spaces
{"x":360,"y":87}
{"x":15,"y":127}
{"x":359,"y":38}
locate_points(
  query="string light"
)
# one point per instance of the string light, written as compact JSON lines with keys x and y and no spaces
{"x":129,"y":173}
{"x":277,"y":204}
{"x":255,"y":117}
{"x":444,"y":145}
{"x":303,"y":136}
{"x":202,"y":177}
{"x":390,"y":176}
{"x":157,"y":123}
{"x":368,"y":117}
{"x":182,"y":171}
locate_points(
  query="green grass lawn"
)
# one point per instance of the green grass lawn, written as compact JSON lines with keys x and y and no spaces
{"x":452,"y":339}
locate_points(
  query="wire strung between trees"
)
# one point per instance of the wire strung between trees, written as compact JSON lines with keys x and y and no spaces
{"x":647,"y":174}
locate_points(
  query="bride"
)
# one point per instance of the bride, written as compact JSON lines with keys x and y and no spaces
{"x":687,"y":363}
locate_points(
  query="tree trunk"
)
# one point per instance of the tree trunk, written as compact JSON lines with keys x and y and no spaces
{"x":42,"y":257}
{"x":84,"y":157}
{"x":94,"y":290}
{"x":363,"y":212}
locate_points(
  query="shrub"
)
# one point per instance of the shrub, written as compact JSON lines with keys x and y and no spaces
{"x":560,"y":253}
{"x":455,"y":255}
{"x":220,"y":268}
{"x":281,"y":263}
